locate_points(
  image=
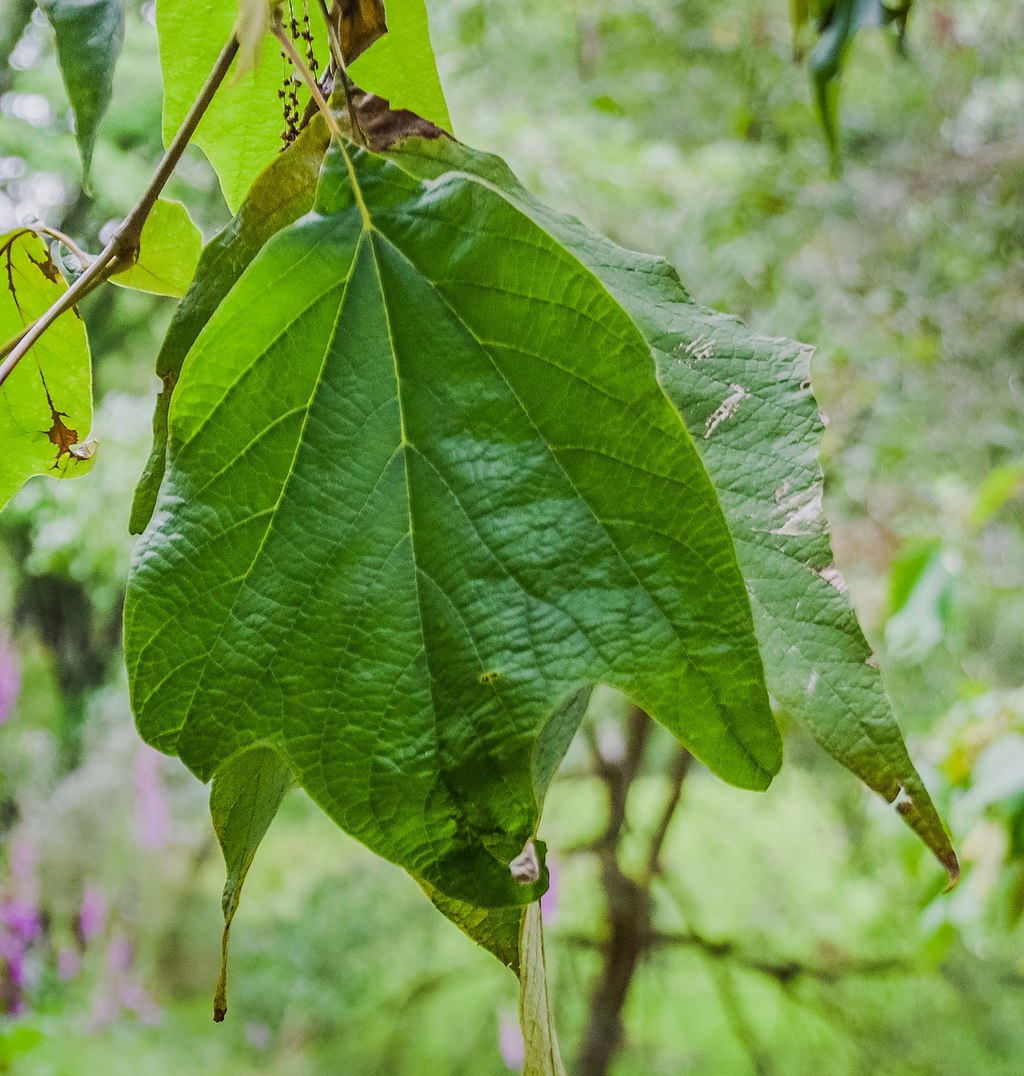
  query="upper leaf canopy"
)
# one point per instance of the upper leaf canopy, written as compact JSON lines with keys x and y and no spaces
{"x":422,"y":487}
{"x":241,"y":130}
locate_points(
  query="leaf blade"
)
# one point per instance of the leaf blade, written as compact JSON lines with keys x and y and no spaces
{"x":169,"y":250}
{"x":417,"y":471}
{"x":279,"y":196}
{"x":401,"y":68}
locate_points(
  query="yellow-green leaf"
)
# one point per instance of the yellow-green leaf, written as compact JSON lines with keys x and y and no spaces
{"x":168,"y":253}
{"x":46,"y":403}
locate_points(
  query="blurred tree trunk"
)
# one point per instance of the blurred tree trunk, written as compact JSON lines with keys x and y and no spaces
{"x":630,"y":928}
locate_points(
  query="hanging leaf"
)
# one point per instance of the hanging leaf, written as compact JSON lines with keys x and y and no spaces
{"x":89,"y":36}
{"x":46,"y":403}
{"x":748,"y":402}
{"x":169,"y":251}
{"x":840,"y":23}
{"x":281,"y":194}
{"x":244,"y":798}
{"x":422,"y":486}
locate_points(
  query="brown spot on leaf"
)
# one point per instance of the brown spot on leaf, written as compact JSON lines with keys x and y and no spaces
{"x":60,"y":435}
{"x":47,"y":267}
{"x":385,"y":126}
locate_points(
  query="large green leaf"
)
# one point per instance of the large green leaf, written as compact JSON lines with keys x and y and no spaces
{"x":281,"y":194}
{"x":423,"y":487}
{"x":89,"y":37}
{"x":749,"y":403}
{"x":46,"y":403}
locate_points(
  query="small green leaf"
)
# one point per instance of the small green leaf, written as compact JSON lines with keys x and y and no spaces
{"x":168,"y":253}
{"x":89,"y":37}
{"x":401,"y":67}
{"x":540,"y":1042}
{"x":245,"y":796}
{"x":467,"y":500}
{"x":1000,"y":485}
{"x":281,"y":194}
{"x":46,"y":403}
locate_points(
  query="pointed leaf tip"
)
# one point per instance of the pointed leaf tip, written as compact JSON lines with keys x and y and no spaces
{"x":244,"y":798}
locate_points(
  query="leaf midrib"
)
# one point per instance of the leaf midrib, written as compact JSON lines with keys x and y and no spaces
{"x":700,"y":673}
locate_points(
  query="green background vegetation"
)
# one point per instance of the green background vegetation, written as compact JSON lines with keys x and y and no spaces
{"x":812,"y":934}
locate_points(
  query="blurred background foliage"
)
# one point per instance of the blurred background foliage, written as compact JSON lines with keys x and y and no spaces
{"x":800,"y":931}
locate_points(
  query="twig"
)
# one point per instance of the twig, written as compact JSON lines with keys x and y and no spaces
{"x":628,"y":905}
{"x":83,"y":258}
{"x":123,"y":248}
{"x":680,"y":768}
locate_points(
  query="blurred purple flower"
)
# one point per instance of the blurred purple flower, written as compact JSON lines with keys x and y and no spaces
{"x":120,"y":954}
{"x":92,"y":914}
{"x":10,"y":679}
{"x":69,"y":964}
{"x":152,"y":811}
{"x":19,"y":927}
{"x":16,"y":971}
{"x":549,"y":902}
{"x":21,"y":919}
{"x":510,"y":1042}
{"x":135,"y":998}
